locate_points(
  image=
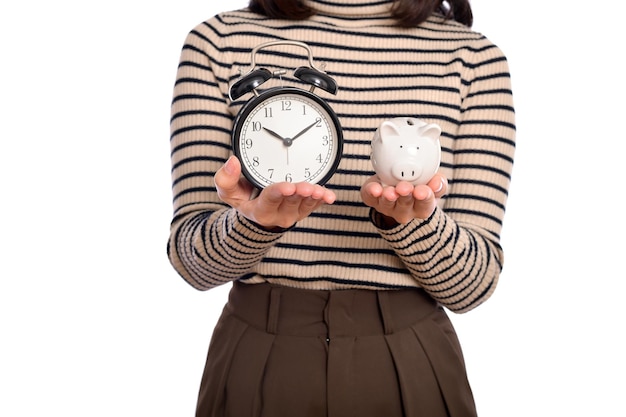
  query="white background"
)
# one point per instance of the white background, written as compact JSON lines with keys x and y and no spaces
{"x":93,"y":320}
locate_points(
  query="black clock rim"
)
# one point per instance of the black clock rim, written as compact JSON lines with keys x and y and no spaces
{"x":250,"y":105}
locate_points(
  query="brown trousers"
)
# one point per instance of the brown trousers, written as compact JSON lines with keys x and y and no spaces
{"x":284,"y":352}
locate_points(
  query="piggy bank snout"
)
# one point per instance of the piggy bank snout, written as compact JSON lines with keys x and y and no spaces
{"x":406,"y":171}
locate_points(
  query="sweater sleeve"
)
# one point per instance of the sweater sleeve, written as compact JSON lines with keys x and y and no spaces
{"x":455,"y":255}
{"x":209,"y":244}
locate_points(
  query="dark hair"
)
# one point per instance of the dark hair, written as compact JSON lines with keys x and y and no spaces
{"x":408,"y":13}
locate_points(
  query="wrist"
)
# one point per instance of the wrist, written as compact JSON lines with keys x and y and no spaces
{"x":271,"y":229}
{"x":381,"y":221}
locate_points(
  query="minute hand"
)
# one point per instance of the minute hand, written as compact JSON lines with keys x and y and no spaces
{"x":306,"y":129}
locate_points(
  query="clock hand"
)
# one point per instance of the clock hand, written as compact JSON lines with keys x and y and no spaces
{"x":286,"y":141}
{"x":276,"y":135}
{"x":303,"y":131}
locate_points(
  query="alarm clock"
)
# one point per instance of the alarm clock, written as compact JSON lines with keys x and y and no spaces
{"x":286,"y":133}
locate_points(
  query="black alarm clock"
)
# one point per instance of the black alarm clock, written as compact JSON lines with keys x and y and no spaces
{"x":286,"y":133}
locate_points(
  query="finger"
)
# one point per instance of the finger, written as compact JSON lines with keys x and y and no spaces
{"x":439,"y":185}
{"x":389,"y":193}
{"x":328,"y":197}
{"x":405,"y":202}
{"x":315,"y":192}
{"x":324,"y":195}
{"x":292,"y":203}
{"x":308,"y":205}
{"x":275,"y":194}
{"x":227,"y":177}
{"x":423,"y":192}
{"x":373,"y":189}
{"x":404,"y":188}
{"x":306,"y":189}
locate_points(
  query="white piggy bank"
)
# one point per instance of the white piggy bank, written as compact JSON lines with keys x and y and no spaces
{"x":406,"y":149}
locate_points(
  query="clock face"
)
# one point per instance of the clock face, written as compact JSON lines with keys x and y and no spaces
{"x":287,"y":134}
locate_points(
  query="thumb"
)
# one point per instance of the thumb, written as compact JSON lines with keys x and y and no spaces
{"x":227,"y":177}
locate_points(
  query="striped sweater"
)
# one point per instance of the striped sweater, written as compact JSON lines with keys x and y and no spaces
{"x":440,"y":72}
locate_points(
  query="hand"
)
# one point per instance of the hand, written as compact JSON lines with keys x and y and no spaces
{"x":279,"y":205}
{"x":404,"y":202}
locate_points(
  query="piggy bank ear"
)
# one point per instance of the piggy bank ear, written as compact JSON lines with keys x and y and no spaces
{"x":432,"y":131}
{"x":387,"y":129}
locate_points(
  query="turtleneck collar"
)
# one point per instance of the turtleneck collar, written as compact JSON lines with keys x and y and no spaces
{"x":351,"y":8}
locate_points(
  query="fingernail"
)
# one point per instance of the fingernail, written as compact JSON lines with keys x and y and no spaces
{"x":440,"y":186}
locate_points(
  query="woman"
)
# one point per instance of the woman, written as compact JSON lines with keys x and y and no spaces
{"x":338,"y":291}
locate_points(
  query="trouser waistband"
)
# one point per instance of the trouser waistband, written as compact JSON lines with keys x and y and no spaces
{"x":336,"y":313}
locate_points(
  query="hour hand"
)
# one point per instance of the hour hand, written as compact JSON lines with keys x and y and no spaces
{"x":276,"y":135}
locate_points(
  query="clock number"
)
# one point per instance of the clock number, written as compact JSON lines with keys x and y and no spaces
{"x":325,"y":141}
{"x":304,"y":109}
{"x":319,"y":122}
{"x":255,"y":161}
{"x":307,"y":173}
{"x":288,"y":177}
{"x":268,"y":112}
{"x":271,"y":172}
{"x":256,"y":126}
{"x":248,"y":143}
{"x":286,"y":105}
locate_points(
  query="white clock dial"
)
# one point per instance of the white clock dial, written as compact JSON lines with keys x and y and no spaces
{"x":287,"y":134}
